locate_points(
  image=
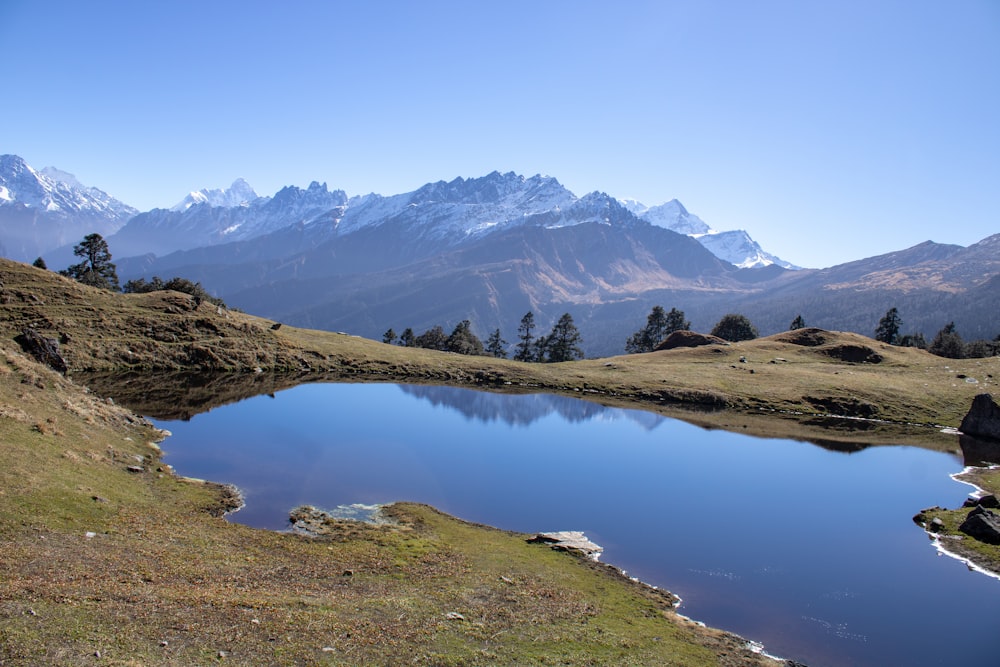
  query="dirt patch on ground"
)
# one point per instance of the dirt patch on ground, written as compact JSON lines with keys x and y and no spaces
{"x":854,"y":354}
{"x":689,"y":339}
{"x":808,"y":337}
{"x":843,"y":407}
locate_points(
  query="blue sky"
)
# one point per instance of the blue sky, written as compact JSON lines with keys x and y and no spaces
{"x":831,"y":131}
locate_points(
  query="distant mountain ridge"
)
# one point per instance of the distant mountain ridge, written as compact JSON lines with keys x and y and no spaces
{"x":489,"y":249}
{"x":460,"y":209}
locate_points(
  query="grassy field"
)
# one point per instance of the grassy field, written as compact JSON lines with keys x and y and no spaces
{"x":105,"y":554}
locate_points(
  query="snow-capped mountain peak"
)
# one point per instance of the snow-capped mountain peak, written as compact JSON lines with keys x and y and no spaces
{"x":55,"y":191}
{"x":674,"y":216}
{"x":42,"y":210}
{"x":735,"y":247}
{"x":240,"y":193}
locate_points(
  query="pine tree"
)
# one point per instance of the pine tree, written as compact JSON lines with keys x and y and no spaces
{"x":888,"y":327}
{"x":463,"y":341}
{"x":39,"y":263}
{"x":797,"y":323}
{"x":947,"y":343}
{"x":525,"y":349}
{"x":433,"y":339}
{"x":408,"y":339}
{"x":563,"y":343}
{"x":734,"y":327}
{"x":389,"y":337}
{"x":496,"y":346}
{"x":659,"y":325}
{"x":96,"y":268}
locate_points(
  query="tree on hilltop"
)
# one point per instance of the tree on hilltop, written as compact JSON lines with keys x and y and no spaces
{"x":888,"y":327}
{"x":734,"y":328}
{"x":96,"y":268}
{"x":659,"y":325}
{"x":797,"y":323}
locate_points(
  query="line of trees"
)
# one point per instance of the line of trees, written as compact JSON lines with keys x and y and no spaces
{"x":946,"y":343}
{"x":561,"y":344}
{"x":97,"y":270}
{"x":660,"y":324}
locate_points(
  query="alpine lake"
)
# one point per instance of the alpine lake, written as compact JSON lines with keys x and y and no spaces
{"x":809,"y":550}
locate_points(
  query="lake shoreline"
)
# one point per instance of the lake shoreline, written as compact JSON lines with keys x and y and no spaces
{"x":977,"y":556}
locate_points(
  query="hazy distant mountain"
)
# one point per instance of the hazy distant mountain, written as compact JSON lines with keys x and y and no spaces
{"x":735,"y":247}
{"x":211,"y":217}
{"x":240,"y":193}
{"x":42,"y":210}
{"x":488,"y":250}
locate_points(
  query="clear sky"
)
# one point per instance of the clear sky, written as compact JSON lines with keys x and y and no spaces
{"x":831,"y":131}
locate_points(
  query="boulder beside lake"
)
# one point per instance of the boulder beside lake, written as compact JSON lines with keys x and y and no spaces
{"x":983,"y":418}
{"x":982,"y":525}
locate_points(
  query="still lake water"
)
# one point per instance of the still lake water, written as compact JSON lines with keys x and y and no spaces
{"x":810,"y":551}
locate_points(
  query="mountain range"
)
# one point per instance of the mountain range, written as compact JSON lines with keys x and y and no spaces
{"x":489,"y":249}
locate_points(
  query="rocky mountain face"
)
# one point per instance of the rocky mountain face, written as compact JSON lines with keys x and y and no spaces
{"x":42,"y":210}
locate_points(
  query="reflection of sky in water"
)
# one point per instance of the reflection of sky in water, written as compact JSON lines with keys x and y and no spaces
{"x":810,"y":551}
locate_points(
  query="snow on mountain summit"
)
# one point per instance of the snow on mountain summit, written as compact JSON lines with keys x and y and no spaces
{"x":240,"y":193}
{"x":735,"y":247}
{"x":42,"y":210}
{"x":56,"y":191}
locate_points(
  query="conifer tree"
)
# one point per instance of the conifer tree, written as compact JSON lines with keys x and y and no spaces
{"x":563,"y":343}
{"x":96,"y":268}
{"x":496,"y":346}
{"x":525,"y":349}
{"x":888,"y":327}
{"x":734,"y":327}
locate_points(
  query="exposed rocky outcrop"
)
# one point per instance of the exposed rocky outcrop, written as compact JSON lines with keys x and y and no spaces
{"x":45,"y":350}
{"x":983,"y":418}
{"x":983,"y":525}
{"x":569,"y":540}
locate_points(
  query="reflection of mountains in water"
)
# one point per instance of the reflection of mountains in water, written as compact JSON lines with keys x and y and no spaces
{"x":524,"y":409}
